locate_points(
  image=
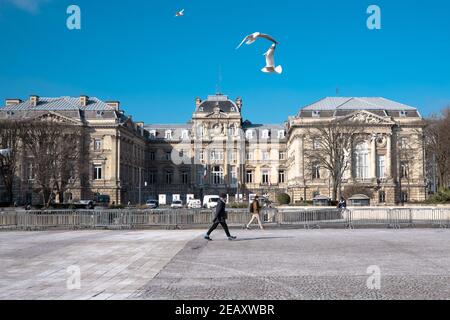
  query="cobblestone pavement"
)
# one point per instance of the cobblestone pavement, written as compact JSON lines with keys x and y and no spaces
{"x":315,"y":264}
{"x":272,"y":264}
{"x":113,"y":264}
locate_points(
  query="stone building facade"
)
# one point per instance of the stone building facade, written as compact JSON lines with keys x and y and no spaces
{"x":218,"y":151}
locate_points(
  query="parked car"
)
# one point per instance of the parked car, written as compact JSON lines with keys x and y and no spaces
{"x":210,"y":202}
{"x":194,"y":204}
{"x":176,"y":204}
{"x":90,"y":204}
{"x":152,"y":204}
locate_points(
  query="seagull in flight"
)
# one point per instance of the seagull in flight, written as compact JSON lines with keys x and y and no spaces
{"x":180,"y":13}
{"x":270,"y":62}
{"x":252,"y":38}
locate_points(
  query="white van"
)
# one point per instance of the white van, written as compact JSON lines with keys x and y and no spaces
{"x":210,"y":202}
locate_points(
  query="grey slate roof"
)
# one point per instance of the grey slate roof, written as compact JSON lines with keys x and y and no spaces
{"x":357,"y":103}
{"x":60,"y":104}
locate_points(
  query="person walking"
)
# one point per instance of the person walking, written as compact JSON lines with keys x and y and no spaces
{"x":220,"y":217}
{"x":255,"y":209}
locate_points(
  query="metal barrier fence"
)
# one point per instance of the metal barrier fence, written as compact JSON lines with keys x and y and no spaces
{"x":308,"y":218}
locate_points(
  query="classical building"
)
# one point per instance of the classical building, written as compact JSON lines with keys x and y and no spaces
{"x":218,"y":151}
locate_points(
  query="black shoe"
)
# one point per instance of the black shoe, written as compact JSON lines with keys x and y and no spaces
{"x":231,"y":238}
{"x":207,"y":238}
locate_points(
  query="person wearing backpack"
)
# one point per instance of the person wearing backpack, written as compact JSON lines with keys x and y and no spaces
{"x":255,"y":209}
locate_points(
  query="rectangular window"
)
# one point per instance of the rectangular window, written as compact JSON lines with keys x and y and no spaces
{"x":97,"y":172}
{"x":281,"y":134}
{"x":185,"y":134}
{"x":30,"y":172}
{"x":169,"y":177}
{"x":97,"y":144}
{"x":266,"y":155}
{"x":185,"y":177}
{"x":168,"y":134}
{"x":265,"y":134}
{"x":168,"y":156}
{"x":282,"y":155}
{"x":381,"y":167}
{"x":152,"y":156}
{"x":404,"y":170}
{"x":217,"y":174}
{"x":382,"y":197}
{"x":316,"y":170}
{"x":281,"y":176}
{"x":317,"y":142}
{"x":249,"y":155}
{"x":265,"y":176}
{"x":234,"y":177}
{"x":200,"y":155}
{"x":152,"y":134}
{"x":249,"y":134}
{"x":152,"y":177}
{"x":249,"y":176}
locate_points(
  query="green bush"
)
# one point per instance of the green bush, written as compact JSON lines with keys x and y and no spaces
{"x":238,"y":205}
{"x":442,"y":196}
{"x":283,"y":198}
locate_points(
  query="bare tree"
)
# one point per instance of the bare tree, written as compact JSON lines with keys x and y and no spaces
{"x":56,"y":150}
{"x":437,"y":139}
{"x":10,"y":134}
{"x":331,"y":145}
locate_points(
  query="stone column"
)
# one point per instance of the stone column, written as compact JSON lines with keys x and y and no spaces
{"x":389,"y":156}
{"x":373,"y":157}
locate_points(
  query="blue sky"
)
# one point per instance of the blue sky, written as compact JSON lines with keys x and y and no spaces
{"x":155,"y":64}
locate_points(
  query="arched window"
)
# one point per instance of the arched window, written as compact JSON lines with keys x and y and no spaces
{"x":362,"y":160}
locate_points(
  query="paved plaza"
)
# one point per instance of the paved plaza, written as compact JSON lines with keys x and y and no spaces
{"x":272,"y":264}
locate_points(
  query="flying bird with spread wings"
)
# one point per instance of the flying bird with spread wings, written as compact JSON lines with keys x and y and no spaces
{"x":180,"y":13}
{"x":270,"y":62}
{"x":252,"y":38}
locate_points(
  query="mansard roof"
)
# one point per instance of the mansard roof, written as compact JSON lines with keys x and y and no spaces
{"x":343,"y":106}
{"x":217,"y":101}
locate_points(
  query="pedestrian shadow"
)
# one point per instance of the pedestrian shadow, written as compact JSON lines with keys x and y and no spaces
{"x":261,"y":238}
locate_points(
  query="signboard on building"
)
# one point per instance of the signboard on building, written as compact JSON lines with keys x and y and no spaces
{"x":162,"y":199}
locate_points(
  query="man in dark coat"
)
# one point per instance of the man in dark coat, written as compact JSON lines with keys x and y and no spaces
{"x":220,"y":218}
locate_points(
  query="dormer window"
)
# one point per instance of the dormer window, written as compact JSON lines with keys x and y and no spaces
{"x":152,"y":134}
{"x":168,"y":134}
{"x":249,"y":134}
{"x":99,"y":114}
{"x":185,"y":134}
{"x":316,"y":114}
{"x":265,"y":134}
{"x":200,"y":109}
{"x":281,"y":134}
{"x":403,"y":113}
{"x":233,"y":109}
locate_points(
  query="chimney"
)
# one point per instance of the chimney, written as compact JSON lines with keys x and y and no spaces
{"x":114,"y":104}
{"x":10,"y":102}
{"x":198,"y":102}
{"x":239,"y":103}
{"x":34,"y":100}
{"x":84,"y":101}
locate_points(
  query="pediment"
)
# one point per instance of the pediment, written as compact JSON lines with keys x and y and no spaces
{"x":367,"y":117}
{"x":57,"y":117}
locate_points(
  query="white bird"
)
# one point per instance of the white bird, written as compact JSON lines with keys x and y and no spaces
{"x":270,"y":62}
{"x":252,"y":38}
{"x":180,"y":13}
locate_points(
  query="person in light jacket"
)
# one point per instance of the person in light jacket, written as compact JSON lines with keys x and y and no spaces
{"x":220,"y":217}
{"x":255,"y":210}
